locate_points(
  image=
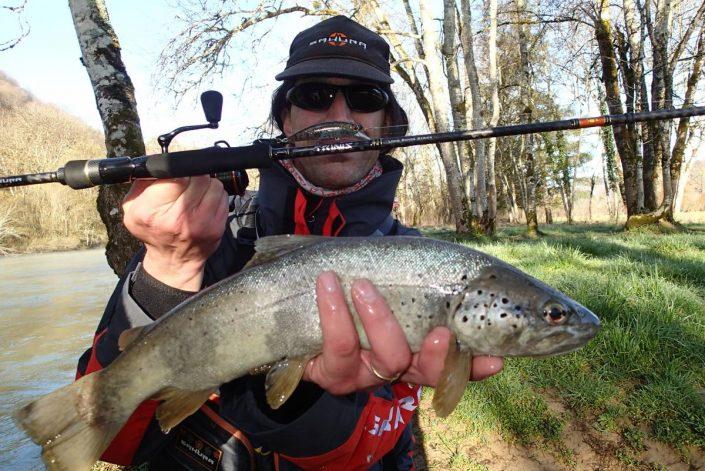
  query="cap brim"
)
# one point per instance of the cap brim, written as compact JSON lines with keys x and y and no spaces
{"x":335,"y":67}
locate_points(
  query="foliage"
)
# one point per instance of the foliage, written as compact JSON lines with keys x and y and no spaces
{"x":35,"y":137}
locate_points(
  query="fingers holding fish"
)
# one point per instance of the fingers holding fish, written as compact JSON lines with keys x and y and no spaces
{"x":390,"y":354}
{"x":427,"y":364}
{"x":485,"y":366}
{"x":337,"y":369}
{"x":343,"y":367}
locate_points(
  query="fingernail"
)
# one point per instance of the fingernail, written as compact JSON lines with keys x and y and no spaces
{"x":328,"y":281}
{"x":366,"y":291}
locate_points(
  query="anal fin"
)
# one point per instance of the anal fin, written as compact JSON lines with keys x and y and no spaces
{"x":178,"y":404}
{"x":453,"y":380}
{"x":283,"y":378}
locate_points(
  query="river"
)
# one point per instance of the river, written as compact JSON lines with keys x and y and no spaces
{"x":50,"y":305}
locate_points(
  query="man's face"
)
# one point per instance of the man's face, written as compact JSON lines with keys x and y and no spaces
{"x":337,"y":170}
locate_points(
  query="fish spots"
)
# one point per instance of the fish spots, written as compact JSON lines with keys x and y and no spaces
{"x":479,"y":291}
{"x":517,"y":308}
{"x":493,"y":277}
{"x":464,"y":277}
{"x":413,"y":300}
{"x":494,"y":305}
{"x":482,"y":318}
{"x":447,"y":304}
{"x":503,"y":315}
{"x":465,"y":318}
{"x":505,"y":301}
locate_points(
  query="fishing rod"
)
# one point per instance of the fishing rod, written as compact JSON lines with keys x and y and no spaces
{"x":229,"y":163}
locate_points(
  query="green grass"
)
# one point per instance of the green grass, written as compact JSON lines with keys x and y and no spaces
{"x":643,"y":375}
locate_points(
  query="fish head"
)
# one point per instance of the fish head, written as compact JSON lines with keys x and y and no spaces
{"x":506,"y":312}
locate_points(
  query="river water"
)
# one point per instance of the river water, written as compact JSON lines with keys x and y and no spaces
{"x":50,"y":305}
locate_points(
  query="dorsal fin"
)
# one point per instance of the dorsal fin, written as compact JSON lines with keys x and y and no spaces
{"x":270,"y":247}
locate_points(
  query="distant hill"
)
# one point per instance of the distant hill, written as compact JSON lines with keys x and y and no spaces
{"x":38,"y":137}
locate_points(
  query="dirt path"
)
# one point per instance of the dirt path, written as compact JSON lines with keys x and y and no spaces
{"x":447,"y":444}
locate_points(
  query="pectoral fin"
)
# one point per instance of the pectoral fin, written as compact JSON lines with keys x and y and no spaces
{"x":283,"y":378}
{"x":178,"y":404}
{"x":128,"y":336}
{"x":453,"y":380}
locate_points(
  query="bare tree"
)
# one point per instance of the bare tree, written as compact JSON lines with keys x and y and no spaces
{"x":528,"y":155}
{"x":115,"y":99}
{"x":17,"y":11}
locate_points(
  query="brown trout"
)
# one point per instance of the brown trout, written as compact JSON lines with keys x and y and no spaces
{"x":267,"y":314}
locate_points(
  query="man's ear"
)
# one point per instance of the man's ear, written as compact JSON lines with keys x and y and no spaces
{"x":286,"y":121}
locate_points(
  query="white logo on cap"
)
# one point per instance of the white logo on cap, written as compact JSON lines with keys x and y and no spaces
{"x":338,"y":39}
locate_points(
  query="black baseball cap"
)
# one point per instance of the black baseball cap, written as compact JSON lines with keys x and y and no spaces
{"x":339,"y":47}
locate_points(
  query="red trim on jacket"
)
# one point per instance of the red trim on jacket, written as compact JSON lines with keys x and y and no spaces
{"x":334,"y":223}
{"x":335,"y":217}
{"x":93,"y":363}
{"x":125,"y":444}
{"x":377,"y":431}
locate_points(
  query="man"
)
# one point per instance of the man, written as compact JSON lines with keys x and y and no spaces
{"x":354,"y":407}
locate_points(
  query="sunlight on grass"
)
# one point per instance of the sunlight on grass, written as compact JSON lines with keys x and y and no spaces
{"x":646,"y":366}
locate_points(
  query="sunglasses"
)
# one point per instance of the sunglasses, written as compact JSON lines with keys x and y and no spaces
{"x":314,"y":96}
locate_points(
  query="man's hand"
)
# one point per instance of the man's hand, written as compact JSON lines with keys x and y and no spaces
{"x":344,"y":367}
{"x":181,"y":222}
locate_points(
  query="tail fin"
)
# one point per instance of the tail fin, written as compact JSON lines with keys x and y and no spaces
{"x":69,"y":425}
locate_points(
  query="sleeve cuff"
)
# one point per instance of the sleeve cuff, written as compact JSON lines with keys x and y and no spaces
{"x":152,"y":296}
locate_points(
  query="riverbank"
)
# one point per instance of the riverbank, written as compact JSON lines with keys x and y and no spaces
{"x":52,"y":244}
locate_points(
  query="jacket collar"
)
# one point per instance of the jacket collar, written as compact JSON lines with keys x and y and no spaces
{"x":363,"y":211}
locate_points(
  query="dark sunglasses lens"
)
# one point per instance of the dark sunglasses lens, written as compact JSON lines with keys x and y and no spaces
{"x":312,"y":96}
{"x":366,"y":99}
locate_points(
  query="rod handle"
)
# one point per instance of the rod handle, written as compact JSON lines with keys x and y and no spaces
{"x":207,"y":161}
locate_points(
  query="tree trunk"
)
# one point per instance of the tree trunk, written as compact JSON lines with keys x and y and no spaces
{"x":477,"y":120}
{"x":694,"y":144}
{"x":115,"y":99}
{"x":448,"y":155}
{"x":633,"y":91}
{"x":530,"y":172}
{"x":684,"y":123}
{"x":623,"y":140}
{"x":491,"y":223}
{"x":457,"y":101}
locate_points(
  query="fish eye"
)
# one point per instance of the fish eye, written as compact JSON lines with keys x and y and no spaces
{"x":555,"y":313}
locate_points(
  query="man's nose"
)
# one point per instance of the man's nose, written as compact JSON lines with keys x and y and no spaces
{"x":339,"y":110}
